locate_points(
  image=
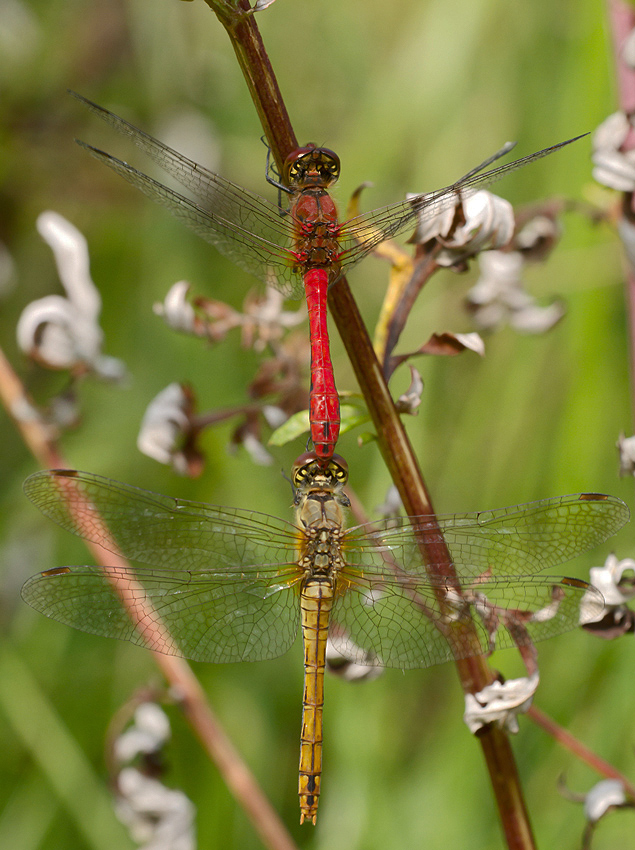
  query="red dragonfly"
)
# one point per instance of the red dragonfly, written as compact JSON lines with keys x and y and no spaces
{"x":302,"y":250}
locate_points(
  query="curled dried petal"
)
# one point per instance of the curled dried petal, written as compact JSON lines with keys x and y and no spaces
{"x":156,"y":816}
{"x":610,"y":580}
{"x":626,"y":448}
{"x":341,"y":663}
{"x":409,"y":401}
{"x":63,"y":332}
{"x":604,"y":795}
{"x":177,"y":311}
{"x":167,"y":432}
{"x":498,"y":296}
{"x":500,"y":703}
{"x":147,"y":734}
{"x":614,"y":167}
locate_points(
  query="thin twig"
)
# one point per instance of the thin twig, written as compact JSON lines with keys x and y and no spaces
{"x":177,"y":671}
{"x":622,"y":18}
{"x":570,"y":742}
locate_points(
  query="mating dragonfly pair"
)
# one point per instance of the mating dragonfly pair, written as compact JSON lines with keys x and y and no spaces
{"x":233,"y":585}
{"x":301,"y":250}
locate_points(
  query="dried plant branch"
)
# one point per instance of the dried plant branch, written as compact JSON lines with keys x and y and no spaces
{"x":40,"y":438}
{"x":566,"y":739}
{"x":622,"y":19}
{"x":395,"y":446}
{"x":178,"y":673}
{"x":424,"y":267}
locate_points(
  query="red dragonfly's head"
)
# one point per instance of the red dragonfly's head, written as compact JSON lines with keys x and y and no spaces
{"x":311,"y":166}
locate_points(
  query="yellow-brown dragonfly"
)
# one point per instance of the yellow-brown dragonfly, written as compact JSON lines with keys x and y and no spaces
{"x":236,"y":585}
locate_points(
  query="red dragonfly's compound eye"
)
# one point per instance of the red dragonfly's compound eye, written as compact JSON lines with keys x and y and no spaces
{"x":311,"y":166}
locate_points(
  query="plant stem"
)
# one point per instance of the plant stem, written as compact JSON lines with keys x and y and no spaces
{"x":622,"y":19}
{"x":566,"y":739}
{"x":41,"y":441}
{"x":393,"y":441}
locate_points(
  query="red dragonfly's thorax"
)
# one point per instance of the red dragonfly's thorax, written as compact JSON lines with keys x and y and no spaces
{"x":309,"y":171}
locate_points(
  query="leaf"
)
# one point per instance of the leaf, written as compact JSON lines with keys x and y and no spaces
{"x":298,"y":424}
{"x":294,"y":427}
{"x":446,"y":344}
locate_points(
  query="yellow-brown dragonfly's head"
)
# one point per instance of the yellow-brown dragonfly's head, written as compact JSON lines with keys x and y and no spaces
{"x":311,"y":473}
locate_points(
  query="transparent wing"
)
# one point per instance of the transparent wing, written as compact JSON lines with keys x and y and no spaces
{"x":248,"y":229}
{"x":362,"y":234}
{"x":517,"y":540}
{"x":402,"y":626}
{"x":160,"y":531}
{"x":223,"y":581}
{"x":254,"y":233}
{"x":209,"y":617}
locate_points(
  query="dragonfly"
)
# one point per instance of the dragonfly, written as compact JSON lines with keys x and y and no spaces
{"x":233,"y":585}
{"x":301,"y":250}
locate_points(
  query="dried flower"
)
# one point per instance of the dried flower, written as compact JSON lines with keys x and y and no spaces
{"x":614,"y":167}
{"x":167,"y":431}
{"x":500,"y":703}
{"x":626,"y":448}
{"x":341,"y":662}
{"x":64,"y":333}
{"x":158,"y":818}
{"x":498,"y":296}
{"x":473,"y":224}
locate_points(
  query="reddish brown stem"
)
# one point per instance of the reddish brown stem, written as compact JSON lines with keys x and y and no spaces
{"x":622,"y":18}
{"x":237,"y":776}
{"x":39,"y":437}
{"x":263,"y":87}
{"x":424,"y":268}
{"x":630,"y":302}
{"x":402,"y":464}
{"x":393,"y":441}
{"x":580,"y":750}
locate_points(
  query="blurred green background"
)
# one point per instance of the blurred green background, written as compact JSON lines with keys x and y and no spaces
{"x":411,"y":94}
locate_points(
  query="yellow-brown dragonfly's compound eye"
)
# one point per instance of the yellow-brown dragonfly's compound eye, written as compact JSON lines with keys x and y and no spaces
{"x":303,"y":467}
{"x":339,"y":468}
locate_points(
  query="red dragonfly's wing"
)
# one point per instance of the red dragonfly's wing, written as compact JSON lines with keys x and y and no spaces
{"x":254,"y":233}
{"x":362,"y":234}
